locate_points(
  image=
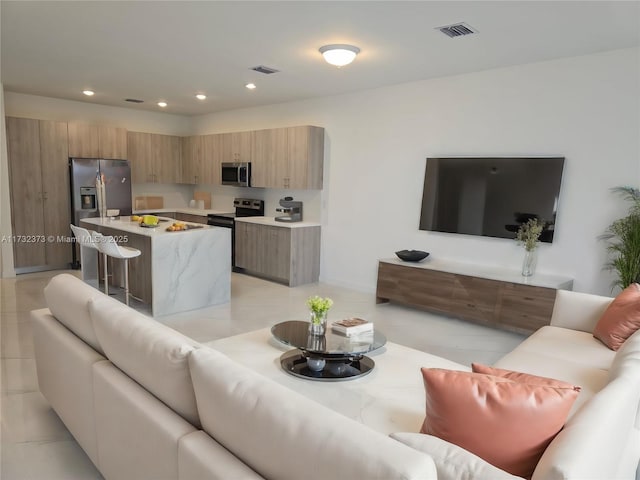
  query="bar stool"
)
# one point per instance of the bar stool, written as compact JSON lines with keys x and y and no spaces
{"x":109,"y":248}
{"x":88,"y":255}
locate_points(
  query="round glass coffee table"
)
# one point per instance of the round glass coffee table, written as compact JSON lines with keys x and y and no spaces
{"x":331,"y":357}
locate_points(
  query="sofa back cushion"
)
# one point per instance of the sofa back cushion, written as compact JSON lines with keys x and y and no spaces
{"x":601,"y":440}
{"x":281,"y":434}
{"x":621,"y":319}
{"x":506,"y":423}
{"x":627,"y":358}
{"x":150,"y":353}
{"x":68,"y":299}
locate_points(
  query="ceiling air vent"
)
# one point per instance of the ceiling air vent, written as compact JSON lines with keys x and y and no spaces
{"x":457,"y":30}
{"x":265,"y":70}
{"x":133,"y":100}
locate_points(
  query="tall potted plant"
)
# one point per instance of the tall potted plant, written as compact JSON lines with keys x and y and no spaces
{"x":623,"y":238}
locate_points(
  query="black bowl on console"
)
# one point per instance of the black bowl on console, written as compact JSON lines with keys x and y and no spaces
{"x":412,"y":255}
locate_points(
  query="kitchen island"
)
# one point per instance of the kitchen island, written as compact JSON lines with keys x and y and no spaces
{"x":177,"y":271}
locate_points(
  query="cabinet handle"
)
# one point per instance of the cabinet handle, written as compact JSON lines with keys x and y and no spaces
{"x":195,"y":179}
{"x":45,"y":195}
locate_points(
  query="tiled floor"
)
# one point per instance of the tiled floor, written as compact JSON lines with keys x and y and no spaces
{"x":35,"y":443}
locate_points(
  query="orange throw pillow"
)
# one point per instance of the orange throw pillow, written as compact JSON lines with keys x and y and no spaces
{"x":506,"y":423}
{"x":521,"y":377}
{"x":621,"y":319}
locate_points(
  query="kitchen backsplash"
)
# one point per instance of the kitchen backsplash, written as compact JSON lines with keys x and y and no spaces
{"x":174,"y":195}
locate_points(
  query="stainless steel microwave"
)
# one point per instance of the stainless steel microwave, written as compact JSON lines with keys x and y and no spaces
{"x":238,"y":174}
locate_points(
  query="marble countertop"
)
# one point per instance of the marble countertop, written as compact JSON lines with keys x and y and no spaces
{"x":124,"y":224}
{"x":488,"y":272}
{"x":190,"y":211}
{"x":271,"y":221}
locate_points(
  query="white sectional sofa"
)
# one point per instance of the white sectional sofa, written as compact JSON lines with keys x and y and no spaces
{"x":144,"y":401}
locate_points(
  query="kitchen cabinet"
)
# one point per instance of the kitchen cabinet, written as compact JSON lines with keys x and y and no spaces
{"x":192,"y":159}
{"x":189,"y":217}
{"x":39,"y":183}
{"x":466,"y":292}
{"x":287,"y":255}
{"x":97,"y":141}
{"x":154,"y":158}
{"x":236,"y":147}
{"x":288,"y":158}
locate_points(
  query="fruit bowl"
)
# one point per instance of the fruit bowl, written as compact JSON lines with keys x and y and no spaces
{"x":412,"y":255}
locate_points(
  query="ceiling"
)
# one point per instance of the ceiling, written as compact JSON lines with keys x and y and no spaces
{"x":171,"y":50}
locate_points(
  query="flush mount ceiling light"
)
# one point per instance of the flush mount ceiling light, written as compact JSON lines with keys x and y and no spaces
{"x":250,"y":86}
{"x":201,"y":96}
{"x":339,"y":54}
{"x":88,"y":93}
{"x":162,"y":104}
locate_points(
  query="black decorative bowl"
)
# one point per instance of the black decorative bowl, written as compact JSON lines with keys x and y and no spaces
{"x":412,"y":255}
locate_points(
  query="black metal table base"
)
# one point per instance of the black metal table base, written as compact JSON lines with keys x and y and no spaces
{"x":335,"y":368}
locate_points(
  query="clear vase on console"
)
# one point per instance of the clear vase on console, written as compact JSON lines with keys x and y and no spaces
{"x":317,"y":323}
{"x":529,"y":263}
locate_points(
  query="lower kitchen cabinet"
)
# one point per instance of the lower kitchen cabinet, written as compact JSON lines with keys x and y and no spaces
{"x":189,"y":217}
{"x":290,"y":255}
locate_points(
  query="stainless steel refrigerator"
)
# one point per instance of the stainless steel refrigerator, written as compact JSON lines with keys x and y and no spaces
{"x":84,"y":202}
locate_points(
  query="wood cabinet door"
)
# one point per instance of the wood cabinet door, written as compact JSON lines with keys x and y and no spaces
{"x":305,"y":157}
{"x":84,"y":140}
{"x":524,"y":308}
{"x":112,"y":142}
{"x":277,"y":252}
{"x":269,"y":164}
{"x":241,"y":245}
{"x":191,"y":159}
{"x":210,"y":165}
{"x":139,"y":155}
{"x":25,"y":175}
{"x":166,"y":158}
{"x":54,"y":156}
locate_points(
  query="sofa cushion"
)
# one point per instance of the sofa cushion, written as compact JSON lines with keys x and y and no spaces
{"x":566,"y":345}
{"x":281,"y":434}
{"x":150,"y":353}
{"x":595,"y":442}
{"x":68,"y":299}
{"x":627,"y":358}
{"x":521,"y":419}
{"x":621,"y":319}
{"x":452,"y":461}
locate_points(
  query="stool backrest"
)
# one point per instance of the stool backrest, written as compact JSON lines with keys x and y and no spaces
{"x":83,"y":236}
{"x":107,"y":245}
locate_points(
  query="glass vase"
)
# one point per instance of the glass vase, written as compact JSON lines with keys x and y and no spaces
{"x":317,"y":323}
{"x":529,"y":263}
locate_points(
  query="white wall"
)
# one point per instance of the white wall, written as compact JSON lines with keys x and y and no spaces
{"x":45,"y":108}
{"x":584,"y":108}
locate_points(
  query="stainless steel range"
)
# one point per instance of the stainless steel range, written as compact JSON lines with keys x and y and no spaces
{"x":245,"y":207}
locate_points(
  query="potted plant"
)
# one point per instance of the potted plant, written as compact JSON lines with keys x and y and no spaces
{"x":529,"y":236}
{"x":318,"y":309}
{"x":623,"y":237}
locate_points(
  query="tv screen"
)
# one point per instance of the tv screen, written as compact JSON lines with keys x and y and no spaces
{"x":491,"y":196}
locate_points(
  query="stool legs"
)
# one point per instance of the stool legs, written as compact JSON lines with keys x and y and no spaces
{"x":106,"y":278}
{"x":126,"y":281}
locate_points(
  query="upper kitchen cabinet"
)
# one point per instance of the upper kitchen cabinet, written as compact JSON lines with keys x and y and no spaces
{"x":96,"y":141}
{"x":236,"y":147}
{"x":305,"y":152}
{"x":288,"y":158}
{"x":192,"y":159}
{"x":269,"y":162}
{"x":39,"y":189}
{"x":154,"y":158}
{"x":211,"y":159}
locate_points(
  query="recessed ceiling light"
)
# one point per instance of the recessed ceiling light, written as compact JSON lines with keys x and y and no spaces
{"x":250,"y":86}
{"x":88,"y":93}
{"x":201,"y":96}
{"x":339,"y":54}
{"x":162,"y":104}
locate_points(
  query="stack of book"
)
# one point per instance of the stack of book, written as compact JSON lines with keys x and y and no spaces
{"x":352,"y":326}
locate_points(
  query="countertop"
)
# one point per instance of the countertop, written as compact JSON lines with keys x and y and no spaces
{"x":124,"y":224}
{"x":190,"y":211}
{"x":272,"y":222}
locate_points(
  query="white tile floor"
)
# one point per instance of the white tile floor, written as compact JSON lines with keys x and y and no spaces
{"x":36,"y":445}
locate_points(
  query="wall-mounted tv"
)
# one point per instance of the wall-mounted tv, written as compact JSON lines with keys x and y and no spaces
{"x":491,"y":196}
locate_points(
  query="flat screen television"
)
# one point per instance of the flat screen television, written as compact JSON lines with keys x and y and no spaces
{"x":491,"y":196}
